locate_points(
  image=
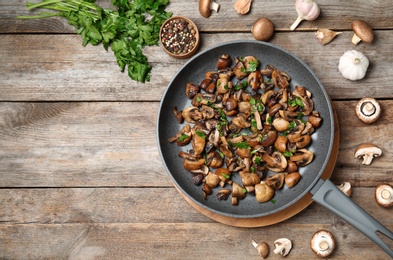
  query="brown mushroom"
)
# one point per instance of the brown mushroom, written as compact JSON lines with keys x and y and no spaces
{"x":280,"y":124}
{"x":302,"y":157}
{"x":206,"y":6}
{"x":362,"y":32}
{"x":263,"y":192}
{"x":212,"y":180}
{"x":384,"y":195}
{"x":263,"y":29}
{"x":322,"y":243}
{"x":281,"y":143}
{"x":367,"y":151}
{"x":368,"y":110}
{"x":292,"y":178}
{"x":263,"y":248}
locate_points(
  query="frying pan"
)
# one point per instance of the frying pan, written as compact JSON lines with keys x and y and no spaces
{"x":314,"y":184}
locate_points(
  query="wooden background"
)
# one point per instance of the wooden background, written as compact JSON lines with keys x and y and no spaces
{"x":80,"y":172}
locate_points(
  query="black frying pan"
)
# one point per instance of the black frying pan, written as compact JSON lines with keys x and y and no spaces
{"x":324,"y":192}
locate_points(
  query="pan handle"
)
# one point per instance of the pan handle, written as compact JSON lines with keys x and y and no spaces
{"x":328,"y":195}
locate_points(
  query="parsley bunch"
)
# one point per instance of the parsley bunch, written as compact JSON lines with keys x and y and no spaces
{"x":125,"y":30}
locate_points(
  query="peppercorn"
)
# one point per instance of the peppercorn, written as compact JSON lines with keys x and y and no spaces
{"x":178,"y":36}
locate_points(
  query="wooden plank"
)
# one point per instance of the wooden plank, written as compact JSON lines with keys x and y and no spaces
{"x":59,"y":68}
{"x":141,"y":205}
{"x":335,"y":14}
{"x":171,"y":241}
{"x":70,"y":144}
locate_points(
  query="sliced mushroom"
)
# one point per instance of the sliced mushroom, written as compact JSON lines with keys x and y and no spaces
{"x":384,"y":195}
{"x":263,"y":248}
{"x":206,"y":6}
{"x":282,"y":246}
{"x":223,"y":194}
{"x":346,"y":187}
{"x":224,"y":62}
{"x":198,"y":139}
{"x":322,"y":243}
{"x":249,"y":179}
{"x":191,"y":165}
{"x":362,"y":32}
{"x":276,"y":162}
{"x":368,"y":110}
{"x":224,"y":174}
{"x":269,"y":138}
{"x":367,"y":151}
{"x":302,"y":157}
{"x":183,"y":137}
{"x":192,"y":115}
{"x":263,"y":192}
{"x":276,"y":181}
{"x":238,"y":191}
{"x":191,"y":90}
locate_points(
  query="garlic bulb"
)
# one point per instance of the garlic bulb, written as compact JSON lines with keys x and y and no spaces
{"x":353,"y":65}
{"x":306,"y":10}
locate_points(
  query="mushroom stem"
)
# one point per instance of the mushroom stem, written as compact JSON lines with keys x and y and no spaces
{"x":356,"y":39}
{"x":214,"y":6}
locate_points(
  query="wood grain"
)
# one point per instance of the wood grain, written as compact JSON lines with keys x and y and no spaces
{"x":59,"y":68}
{"x":335,"y":14}
{"x":88,"y":144}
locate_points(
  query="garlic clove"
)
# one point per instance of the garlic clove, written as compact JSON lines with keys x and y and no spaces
{"x":325,"y":36}
{"x":306,"y":10}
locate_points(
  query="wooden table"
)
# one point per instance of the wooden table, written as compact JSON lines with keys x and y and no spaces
{"x":80,"y":171}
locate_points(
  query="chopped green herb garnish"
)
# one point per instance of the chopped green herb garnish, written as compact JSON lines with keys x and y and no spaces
{"x":242,"y":145}
{"x":200,"y":134}
{"x":273,"y":201}
{"x":226,"y":176}
{"x":183,"y":137}
{"x":287,"y":154}
{"x":244,"y":190}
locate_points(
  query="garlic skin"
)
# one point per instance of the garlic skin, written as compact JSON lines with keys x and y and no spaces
{"x":306,"y":10}
{"x":353,"y":65}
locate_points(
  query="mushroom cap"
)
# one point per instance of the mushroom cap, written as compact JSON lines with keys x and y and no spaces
{"x":384,"y":195}
{"x":363,"y":30}
{"x":322,"y":243}
{"x":368,"y":110}
{"x":367,"y":151}
{"x":205,"y":7}
{"x":263,"y":29}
